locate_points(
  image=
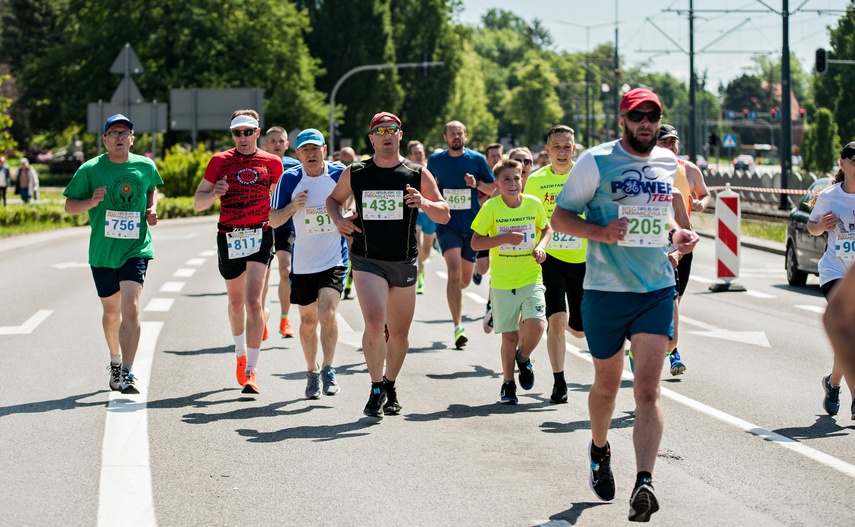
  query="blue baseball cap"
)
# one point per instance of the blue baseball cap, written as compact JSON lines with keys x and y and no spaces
{"x":118,"y":118}
{"x":310,"y":136}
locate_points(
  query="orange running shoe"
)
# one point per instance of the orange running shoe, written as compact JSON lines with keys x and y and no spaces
{"x":240,"y":370}
{"x":250,"y":386}
{"x":266,"y":332}
{"x":285,"y":328}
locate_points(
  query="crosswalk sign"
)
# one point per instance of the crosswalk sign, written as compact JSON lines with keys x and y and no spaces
{"x":729,"y":141}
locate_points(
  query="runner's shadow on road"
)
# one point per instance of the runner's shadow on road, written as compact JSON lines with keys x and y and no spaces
{"x":824,"y":426}
{"x":204,"y":351}
{"x":318,"y":434}
{"x":195,"y":400}
{"x":624,"y":421}
{"x":71,"y":402}
{"x":573,"y":514}
{"x":478,"y":372}
{"x":340,"y":371}
{"x":437,"y":345}
{"x":462,"y":411}
{"x":202,"y":295}
{"x":250,"y":412}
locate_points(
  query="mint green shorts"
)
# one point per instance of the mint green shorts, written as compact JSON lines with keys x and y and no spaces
{"x":511,"y":305}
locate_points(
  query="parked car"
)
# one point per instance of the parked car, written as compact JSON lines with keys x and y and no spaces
{"x":803,"y":249}
{"x":743,"y":162}
{"x":700,"y":160}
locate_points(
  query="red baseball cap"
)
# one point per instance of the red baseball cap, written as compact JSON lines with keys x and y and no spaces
{"x":383,"y":117}
{"x":635,"y":97}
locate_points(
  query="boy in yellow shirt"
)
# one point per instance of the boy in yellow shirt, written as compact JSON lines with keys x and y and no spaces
{"x":515,"y":229}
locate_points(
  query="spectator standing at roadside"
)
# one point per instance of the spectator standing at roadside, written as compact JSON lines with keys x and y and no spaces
{"x":27,"y":180}
{"x":5,"y":178}
{"x":118,"y":190}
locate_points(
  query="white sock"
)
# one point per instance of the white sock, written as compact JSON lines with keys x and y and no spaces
{"x":116,"y":359}
{"x":252,"y":358}
{"x":240,"y":344}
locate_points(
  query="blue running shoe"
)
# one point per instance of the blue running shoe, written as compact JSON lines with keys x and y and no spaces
{"x":526,"y":374}
{"x":677,"y":366}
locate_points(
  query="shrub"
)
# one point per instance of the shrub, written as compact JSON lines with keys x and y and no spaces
{"x":182,"y":170}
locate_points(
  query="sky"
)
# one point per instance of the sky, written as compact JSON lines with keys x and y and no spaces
{"x":725,"y":40}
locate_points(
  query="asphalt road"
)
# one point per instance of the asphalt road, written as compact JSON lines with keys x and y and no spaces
{"x":746,"y":441}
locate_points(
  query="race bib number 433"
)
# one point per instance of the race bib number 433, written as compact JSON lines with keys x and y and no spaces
{"x":383,"y":204}
{"x":122,"y":224}
{"x":648,"y":225}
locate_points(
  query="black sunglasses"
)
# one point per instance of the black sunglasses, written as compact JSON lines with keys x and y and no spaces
{"x":245,"y":133}
{"x":523,"y":161}
{"x":636,"y":116}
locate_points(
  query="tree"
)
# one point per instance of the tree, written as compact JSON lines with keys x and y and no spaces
{"x":833,"y":89}
{"x":821,"y":142}
{"x":533,"y":103}
{"x":745,"y":92}
{"x":6,"y":141}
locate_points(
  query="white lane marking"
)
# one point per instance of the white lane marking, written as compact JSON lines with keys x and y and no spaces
{"x":812,"y":309}
{"x":184,"y":273}
{"x":125,"y":493}
{"x":442,"y":274}
{"x":476,"y":297}
{"x":701,"y":279}
{"x":208,"y":253}
{"x":810,"y":453}
{"x":29,"y":326}
{"x":69,"y":265}
{"x":172,"y":287}
{"x":758,"y":294}
{"x":159,"y":304}
{"x":195,"y":261}
{"x":756,"y":338}
{"x":343,"y":326}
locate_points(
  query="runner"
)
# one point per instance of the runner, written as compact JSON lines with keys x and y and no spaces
{"x":839,"y":321}
{"x":118,"y":191}
{"x":241,"y":178}
{"x":564,"y":267}
{"x":384,"y":250}
{"x":320,"y":255}
{"x":624,"y":188}
{"x":460,"y":173}
{"x":493,"y":154}
{"x":425,"y":228}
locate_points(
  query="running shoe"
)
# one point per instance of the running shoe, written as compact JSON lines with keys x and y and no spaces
{"x":508,"y":395}
{"x":460,"y":339}
{"x":643,"y":502}
{"x":347,"y":293}
{"x":420,"y":285}
{"x":313,"y":385}
{"x":392,"y":406}
{"x":526,"y":375}
{"x":330,"y":384}
{"x":831,"y":402}
{"x":266,"y":332}
{"x":559,"y":392}
{"x":631,"y":361}
{"x":677,"y":366}
{"x":601,"y":480}
{"x":853,"y":409}
{"x":285,"y":328}
{"x":115,"y":377}
{"x":240,"y":370}
{"x":128,"y":383}
{"x":476,"y":278}
{"x":386,"y":332}
{"x":487,"y":323}
{"x":250,"y":386}
{"x":374,"y":407}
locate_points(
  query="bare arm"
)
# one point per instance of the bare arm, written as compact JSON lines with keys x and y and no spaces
{"x":278,"y":217}
{"x":79,"y":206}
{"x":827,"y":223}
{"x":431,"y":202}
{"x":701,"y":196}
{"x":336,"y":201}
{"x":570,"y":223}
{"x":207,"y":193}
{"x":681,"y":215}
{"x":151,"y":207}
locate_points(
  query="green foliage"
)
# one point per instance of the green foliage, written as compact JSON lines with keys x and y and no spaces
{"x":6,"y":141}
{"x":746,"y":92}
{"x":834,"y":88}
{"x":182,"y":170}
{"x":533,"y":103}
{"x":821,"y":143}
{"x":182,"y":207}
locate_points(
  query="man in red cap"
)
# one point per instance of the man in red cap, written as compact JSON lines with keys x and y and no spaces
{"x":625,"y":189}
{"x":388,"y":190}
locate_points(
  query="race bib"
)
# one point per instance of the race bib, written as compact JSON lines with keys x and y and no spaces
{"x":122,"y":224}
{"x":845,"y":248}
{"x":564,"y":241}
{"x":243,"y":242}
{"x":383,"y":204}
{"x":648,"y":225}
{"x":318,"y":221}
{"x":527,"y":245}
{"x":458,"y":198}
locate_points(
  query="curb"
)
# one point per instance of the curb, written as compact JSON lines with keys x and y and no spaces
{"x":752,"y":243}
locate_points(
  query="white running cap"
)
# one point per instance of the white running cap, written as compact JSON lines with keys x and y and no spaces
{"x":244,"y":120}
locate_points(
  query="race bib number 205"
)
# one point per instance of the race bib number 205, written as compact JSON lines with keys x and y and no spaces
{"x":648,"y":225}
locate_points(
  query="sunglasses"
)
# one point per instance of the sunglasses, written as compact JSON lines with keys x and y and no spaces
{"x":245,"y":133}
{"x":123,"y":134}
{"x":523,"y":161}
{"x":383,"y":130}
{"x":636,"y":116}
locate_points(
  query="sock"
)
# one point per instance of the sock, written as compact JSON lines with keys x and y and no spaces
{"x":127,"y":369}
{"x":559,"y":378}
{"x":600,"y":451}
{"x":252,"y":358}
{"x":672,"y":351}
{"x":521,"y":361}
{"x":284,"y":317}
{"x":376,"y":386}
{"x":240,"y":344}
{"x":389,"y":384}
{"x":116,"y":359}
{"x":458,"y":327}
{"x":642,"y":476}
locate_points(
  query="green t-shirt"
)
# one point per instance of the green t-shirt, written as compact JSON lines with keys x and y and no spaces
{"x":119,"y":230}
{"x":545,"y":186}
{"x":512,"y":266}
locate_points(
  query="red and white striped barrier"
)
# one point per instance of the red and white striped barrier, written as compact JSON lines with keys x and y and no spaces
{"x":770,"y":190}
{"x":728,"y":220}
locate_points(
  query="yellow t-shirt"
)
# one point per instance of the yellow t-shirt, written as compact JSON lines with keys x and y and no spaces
{"x":681,"y":181}
{"x":545,"y":186}
{"x":512,"y":266}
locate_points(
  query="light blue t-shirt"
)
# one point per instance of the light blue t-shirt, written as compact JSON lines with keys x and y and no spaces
{"x":604,"y":178}
{"x":450,"y":173}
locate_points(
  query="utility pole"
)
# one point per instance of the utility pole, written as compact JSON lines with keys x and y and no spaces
{"x":786,"y":113}
{"x":617,"y":76}
{"x":691,"y":138}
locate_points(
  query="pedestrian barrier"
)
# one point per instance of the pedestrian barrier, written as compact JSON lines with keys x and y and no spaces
{"x":728,"y":219}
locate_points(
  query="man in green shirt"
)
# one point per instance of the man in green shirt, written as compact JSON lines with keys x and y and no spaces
{"x":118,"y":191}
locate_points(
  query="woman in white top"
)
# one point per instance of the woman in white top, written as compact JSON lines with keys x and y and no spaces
{"x":834,"y":212}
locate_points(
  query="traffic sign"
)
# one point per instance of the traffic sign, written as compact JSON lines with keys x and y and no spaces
{"x":729,"y":141}
{"x":127,"y":62}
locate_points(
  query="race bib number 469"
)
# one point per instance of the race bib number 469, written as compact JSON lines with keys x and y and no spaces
{"x":122,"y":224}
{"x":458,"y":198}
{"x":383,"y":204}
{"x":648,"y":225}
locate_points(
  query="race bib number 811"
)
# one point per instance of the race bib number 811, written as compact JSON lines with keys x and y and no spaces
{"x":242,"y":243}
{"x":648,"y":225}
{"x":383,"y":204}
{"x":122,"y":224}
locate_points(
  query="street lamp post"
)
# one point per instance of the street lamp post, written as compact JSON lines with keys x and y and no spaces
{"x":357,"y":69}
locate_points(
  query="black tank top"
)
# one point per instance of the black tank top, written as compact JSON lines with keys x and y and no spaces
{"x":388,"y":225}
